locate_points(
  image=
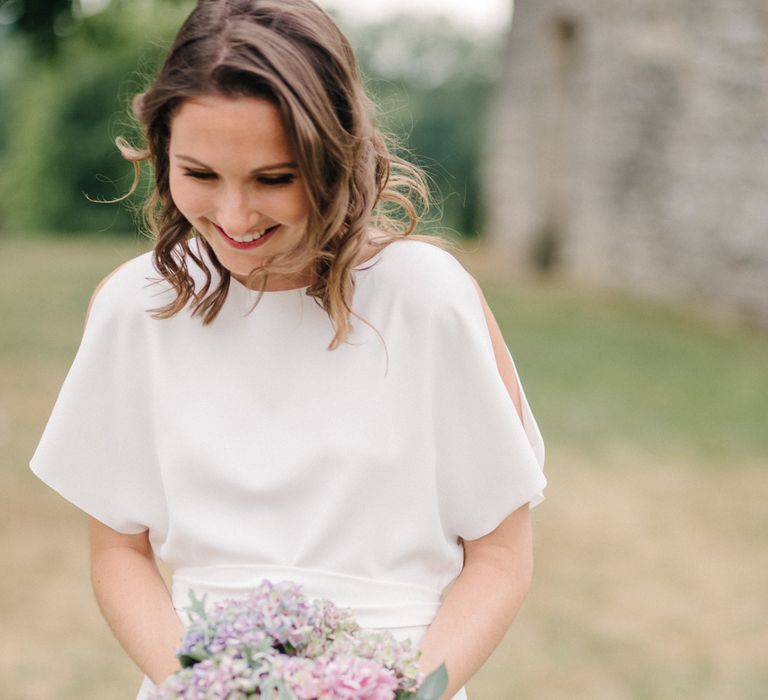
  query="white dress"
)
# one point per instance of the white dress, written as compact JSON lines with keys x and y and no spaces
{"x":250,"y":451}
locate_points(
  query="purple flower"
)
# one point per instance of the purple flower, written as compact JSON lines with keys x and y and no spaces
{"x":273,"y":642}
{"x":385,"y":650}
{"x":221,"y":678}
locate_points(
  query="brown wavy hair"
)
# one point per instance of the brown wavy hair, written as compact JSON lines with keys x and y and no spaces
{"x":291,"y":52}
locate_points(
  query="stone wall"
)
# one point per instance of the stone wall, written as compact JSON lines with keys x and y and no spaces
{"x":629,"y":148}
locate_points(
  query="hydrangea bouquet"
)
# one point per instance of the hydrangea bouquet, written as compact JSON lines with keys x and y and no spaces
{"x":274,"y":644}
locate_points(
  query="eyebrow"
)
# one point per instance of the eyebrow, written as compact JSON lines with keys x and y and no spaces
{"x":256,"y":171}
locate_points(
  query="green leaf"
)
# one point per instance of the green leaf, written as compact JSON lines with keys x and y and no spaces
{"x":196,"y":607}
{"x":434,"y":684}
{"x":187,"y":660}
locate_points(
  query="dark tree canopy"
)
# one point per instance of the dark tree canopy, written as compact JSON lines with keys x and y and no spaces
{"x":62,"y":105}
{"x":45,"y":21}
{"x":39,"y":19}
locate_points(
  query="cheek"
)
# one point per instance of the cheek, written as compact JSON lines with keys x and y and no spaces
{"x":298,"y":205}
{"x":184,"y":195}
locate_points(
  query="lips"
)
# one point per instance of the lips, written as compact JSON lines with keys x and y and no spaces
{"x":248,"y":245}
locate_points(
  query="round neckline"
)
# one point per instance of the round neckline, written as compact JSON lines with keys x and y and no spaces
{"x":361,"y":267}
{"x":233,"y":281}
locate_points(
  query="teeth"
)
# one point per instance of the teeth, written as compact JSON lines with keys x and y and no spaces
{"x":249,"y":237}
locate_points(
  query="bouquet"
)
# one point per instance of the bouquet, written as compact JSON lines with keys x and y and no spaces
{"x":273,"y":644}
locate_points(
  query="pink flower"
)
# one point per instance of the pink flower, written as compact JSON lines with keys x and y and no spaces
{"x":273,"y":640}
{"x":341,"y":678}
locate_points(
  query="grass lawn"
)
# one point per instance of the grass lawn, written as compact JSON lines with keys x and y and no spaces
{"x":651,"y":559}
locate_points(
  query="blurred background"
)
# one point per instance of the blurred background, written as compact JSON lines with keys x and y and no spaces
{"x":604,"y":167}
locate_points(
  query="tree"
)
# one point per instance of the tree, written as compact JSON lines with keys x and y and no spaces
{"x":58,"y":118}
{"x":433,"y":81}
{"x":38,"y":19}
{"x":61,"y":118}
{"x":47,"y":22}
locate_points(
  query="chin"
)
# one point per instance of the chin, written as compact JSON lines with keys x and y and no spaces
{"x":239,"y":268}
{"x":236,"y":264}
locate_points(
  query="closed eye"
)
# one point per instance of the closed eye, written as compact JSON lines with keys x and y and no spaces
{"x":269,"y":180}
{"x":200,"y":174}
{"x":275,"y":180}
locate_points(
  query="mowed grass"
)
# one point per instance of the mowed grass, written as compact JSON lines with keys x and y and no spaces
{"x":652,"y":568}
{"x":607,"y":372}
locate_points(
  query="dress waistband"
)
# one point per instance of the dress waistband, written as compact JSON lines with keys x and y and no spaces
{"x":375,"y":603}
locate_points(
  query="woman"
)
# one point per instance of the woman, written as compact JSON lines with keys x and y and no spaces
{"x":291,"y":386}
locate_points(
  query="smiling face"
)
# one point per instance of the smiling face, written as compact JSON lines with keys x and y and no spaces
{"x":233,"y":176}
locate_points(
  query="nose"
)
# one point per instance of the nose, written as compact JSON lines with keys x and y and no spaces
{"x":237,"y":211}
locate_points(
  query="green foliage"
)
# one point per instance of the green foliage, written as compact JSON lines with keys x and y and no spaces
{"x":59,"y":118}
{"x":42,"y":20}
{"x":434,"y":684}
{"x":433,"y":82}
{"x":47,"y":23}
{"x":62,"y":118}
{"x":446,"y":136}
{"x":10,"y":66}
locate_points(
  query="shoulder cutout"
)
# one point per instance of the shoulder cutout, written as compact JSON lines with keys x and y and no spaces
{"x":503,"y":359}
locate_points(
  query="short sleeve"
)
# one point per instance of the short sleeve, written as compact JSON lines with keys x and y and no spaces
{"x":97,"y":449}
{"x":489,"y":462}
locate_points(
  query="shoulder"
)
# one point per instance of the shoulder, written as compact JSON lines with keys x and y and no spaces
{"x":423,"y":270}
{"x":132,"y":288}
{"x":425,"y":287}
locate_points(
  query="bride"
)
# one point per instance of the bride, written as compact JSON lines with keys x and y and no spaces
{"x":292,"y":384}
